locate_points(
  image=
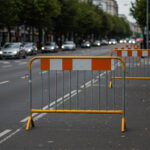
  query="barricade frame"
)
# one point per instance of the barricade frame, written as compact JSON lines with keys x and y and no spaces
{"x":121,"y":112}
{"x":138,"y":63}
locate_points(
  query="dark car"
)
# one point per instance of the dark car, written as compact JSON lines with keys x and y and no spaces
{"x":97,"y":43}
{"x":68,"y":45}
{"x":86,"y":44}
{"x":13,"y":50}
{"x":104,"y":42}
{"x":30,"y":48}
{"x":50,"y":47}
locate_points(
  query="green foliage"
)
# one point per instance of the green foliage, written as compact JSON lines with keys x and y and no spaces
{"x":61,"y":16}
{"x":138,"y":11}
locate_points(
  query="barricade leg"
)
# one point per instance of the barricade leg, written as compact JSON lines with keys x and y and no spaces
{"x":123,"y":125}
{"x":30,"y":120}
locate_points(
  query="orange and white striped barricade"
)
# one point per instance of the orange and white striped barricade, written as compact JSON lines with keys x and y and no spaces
{"x":137,"y":63}
{"x":75,"y":85}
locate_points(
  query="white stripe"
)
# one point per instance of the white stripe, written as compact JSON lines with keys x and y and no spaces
{"x":82,"y":64}
{"x":134,"y":53}
{"x":4,"y":132}
{"x":112,"y":64}
{"x":3,"y":82}
{"x":9,"y":136}
{"x":55,"y":64}
{"x":144,"y":53}
{"x":124,"y":53}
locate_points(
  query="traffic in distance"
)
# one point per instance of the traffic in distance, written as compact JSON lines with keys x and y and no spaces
{"x":19,"y":50}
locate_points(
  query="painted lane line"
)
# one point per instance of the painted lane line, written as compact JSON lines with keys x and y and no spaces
{"x":4,"y":132}
{"x":43,"y":114}
{"x":3,"y":82}
{"x":25,"y":76}
{"x":51,"y":104}
{"x":9,"y":136}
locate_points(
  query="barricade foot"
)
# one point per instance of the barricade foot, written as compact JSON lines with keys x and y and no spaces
{"x":123,"y":124}
{"x":110,"y":84}
{"x":30,"y":121}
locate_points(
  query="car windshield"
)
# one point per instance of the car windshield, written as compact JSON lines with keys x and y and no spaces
{"x":68,"y":42}
{"x":50,"y":44}
{"x":28,"y":45}
{"x":12,"y":45}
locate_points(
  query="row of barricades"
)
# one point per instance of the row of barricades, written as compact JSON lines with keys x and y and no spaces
{"x":75,"y":84}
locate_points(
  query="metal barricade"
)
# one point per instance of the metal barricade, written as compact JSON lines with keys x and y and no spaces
{"x":76,"y":85}
{"x":137,"y":63}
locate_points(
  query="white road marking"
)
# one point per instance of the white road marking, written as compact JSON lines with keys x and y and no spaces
{"x":51,"y":104}
{"x":5,"y":62}
{"x":7,"y":66}
{"x":3,"y":82}
{"x":60,"y":101}
{"x":9,"y":136}
{"x":22,"y":63}
{"x":4,"y":132}
{"x":25,"y":76}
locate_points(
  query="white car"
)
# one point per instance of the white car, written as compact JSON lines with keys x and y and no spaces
{"x":68,"y":45}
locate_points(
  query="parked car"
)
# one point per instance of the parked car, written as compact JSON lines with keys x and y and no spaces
{"x":112,"y":41}
{"x":68,"y":45}
{"x":30,"y":48}
{"x":96,"y":43}
{"x":131,"y":41}
{"x":104,"y":42}
{"x":13,"y":50}
{"x":123,"y":41}
{"x":85,"y":44}
{"x":50,"y":47}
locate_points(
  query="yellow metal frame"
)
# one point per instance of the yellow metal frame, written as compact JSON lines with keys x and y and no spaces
{"x":30,"y":120}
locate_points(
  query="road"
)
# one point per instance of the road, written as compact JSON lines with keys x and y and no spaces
{"x":73,"y":132}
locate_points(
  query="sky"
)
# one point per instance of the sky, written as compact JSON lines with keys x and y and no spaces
{"x":124,"y":8}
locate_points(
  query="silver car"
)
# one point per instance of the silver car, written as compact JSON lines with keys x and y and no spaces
{"x":68,"y":45}
{"x":30,"y":48}
{"x":50,"y":47}
{"x":13,"y":50}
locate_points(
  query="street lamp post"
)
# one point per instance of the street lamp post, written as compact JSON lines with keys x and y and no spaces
{"x":147,"y":23}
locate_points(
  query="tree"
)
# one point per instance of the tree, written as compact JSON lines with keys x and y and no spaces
{"x":138,"y":11}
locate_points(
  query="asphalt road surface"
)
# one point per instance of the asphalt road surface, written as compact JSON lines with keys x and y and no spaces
{"x":68,"y":131}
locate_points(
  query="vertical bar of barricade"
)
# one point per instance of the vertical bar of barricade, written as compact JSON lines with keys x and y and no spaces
{"x":70,"y":88}
{"x":92,"y":88}
{"x":84,"y":74}
{"x":41,"y":73}
{"x":56,"y":89}
{"x":48,"y":89}
{"x":77,"y":98}
{"x":63,"y":90}
{"x":99,"y":78}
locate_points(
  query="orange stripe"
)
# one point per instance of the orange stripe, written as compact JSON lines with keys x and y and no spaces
{"x":67,"y":64}
{"x":149,"y":53}
{"x":45,"y":64}
{"x":119,"y":53}
{"x":139,"y":53}
{"x":101,"y":64}
{"x":129,"y":53}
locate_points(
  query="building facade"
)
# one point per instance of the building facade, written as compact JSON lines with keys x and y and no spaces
{"x":109,"y":6}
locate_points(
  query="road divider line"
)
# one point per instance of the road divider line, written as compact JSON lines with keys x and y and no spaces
{"x":51,"y":104}
{"x":4,"y":132}
{"x":3,"y":82}
{"x":9,"y":136}
{"x":59,"y":100}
